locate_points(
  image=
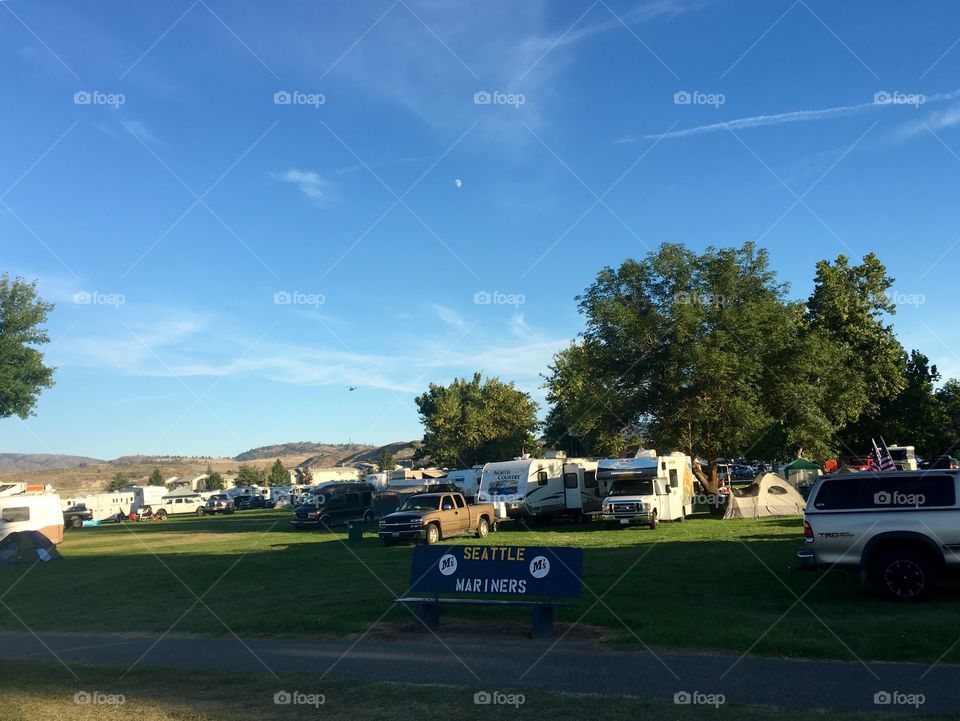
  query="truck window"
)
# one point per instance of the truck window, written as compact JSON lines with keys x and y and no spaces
{"x":674,"y":478}
{"x":589,"y":479}
{"x":570,"y":480}
{"x":459,"y":501}
{"x":541,"y":478}
{"x":837,"y":495}
{"x":15,"y":515}
{"x":920,"y":491}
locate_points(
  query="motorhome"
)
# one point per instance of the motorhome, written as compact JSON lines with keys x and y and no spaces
{"x":541,"y":487}
{"x":32,"y":512}
{"x":467,"y":481}
{"x":109,"y":506}
{"x":646,"y":489}
{"x":904,"y":457}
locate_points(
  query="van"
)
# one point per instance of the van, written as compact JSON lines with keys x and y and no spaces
{"x":333,"y":504}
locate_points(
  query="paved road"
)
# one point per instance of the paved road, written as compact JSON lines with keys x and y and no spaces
{"x":575,"y":666}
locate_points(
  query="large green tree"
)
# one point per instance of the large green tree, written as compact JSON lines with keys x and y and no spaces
{"x":386,"y":461}
{"x":249,"y":476}
{"x":156,"y":478}
{"x":119,"y":481}
{"x":23,"y":374}
{"x":475,"y":421}
{"x":278,"y":474}
{"x":700,"y":352}
{"x":214,"y":481}
{"x":948,"y":397}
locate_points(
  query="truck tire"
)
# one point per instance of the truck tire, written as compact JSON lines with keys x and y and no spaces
{"x":903,"y":575}
{"x":654,"y":521}
{"x":161,"y":515}
{"x":200,"y":511}
{"x":368,"y":517}
{"x":76,"y":523}
{"x":483,"y":528}
{"x":433,"y":534}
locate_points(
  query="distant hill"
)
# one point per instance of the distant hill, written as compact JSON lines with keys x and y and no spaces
{"x":402,"y":451}
{"x":30,"y":462}
{"x":303,"y":448}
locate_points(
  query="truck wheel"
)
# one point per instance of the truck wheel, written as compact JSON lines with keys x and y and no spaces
{"x":483,"y":530}
{"x":433,"y":534}
{"x":904,"y":575}
{"x":368,"y":517}
{"x":324,"y":524}
{"x":76,"y":523}
{"x":654,"y":521}
{"x":161,"y":515}
{"x":200,"y":511}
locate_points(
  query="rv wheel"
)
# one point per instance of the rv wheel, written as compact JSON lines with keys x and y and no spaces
{"x":654,"y":521}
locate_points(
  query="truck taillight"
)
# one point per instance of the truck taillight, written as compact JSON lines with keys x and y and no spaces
{"x":807,"y":532}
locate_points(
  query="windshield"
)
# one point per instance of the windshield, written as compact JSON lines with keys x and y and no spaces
{"x":421,"y":503}
{"x":641,"y":487}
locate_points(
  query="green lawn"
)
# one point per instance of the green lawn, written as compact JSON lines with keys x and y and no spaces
{"x":707,"y":584}
{"x":43,"y":691}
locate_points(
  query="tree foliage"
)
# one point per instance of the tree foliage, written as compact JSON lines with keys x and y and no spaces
{"x":23,"y":375}
{"x":475,"y":421}
{"x":278,"y":474}
{"x":156,"y":478}
{"x":249,"y":476}
{"x":386,"y":461}
{"x":119,"y":481}
{"x":214,"y":480}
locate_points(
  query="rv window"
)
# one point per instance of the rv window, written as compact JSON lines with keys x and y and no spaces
{"x":674,"y":479}
{"x":15,"y":515}
{"x":570,"y":480}
{"x":459,"y":501}
{"x":541,"y":478}
{"x":589,"y":479}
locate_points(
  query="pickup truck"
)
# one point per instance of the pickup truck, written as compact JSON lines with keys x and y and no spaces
{"x":434,"y":516}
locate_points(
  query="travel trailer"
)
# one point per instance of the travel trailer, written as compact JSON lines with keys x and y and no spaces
{"x":541,"y":487}
{"x":467,"y":481}
{"x":646,"y":489}
{"x":378,"y":480}
{"x":32,"y":512}
{"x":904,"y":457}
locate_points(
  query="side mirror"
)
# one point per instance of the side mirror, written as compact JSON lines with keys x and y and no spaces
{"x":447,"y":507}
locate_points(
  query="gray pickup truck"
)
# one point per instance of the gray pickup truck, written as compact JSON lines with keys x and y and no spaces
{"x":900,"y":529}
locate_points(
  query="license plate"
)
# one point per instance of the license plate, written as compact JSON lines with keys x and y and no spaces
{"x":396,"y":534}
{"x":624,"y":521}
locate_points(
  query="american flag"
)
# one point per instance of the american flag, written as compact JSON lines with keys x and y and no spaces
{"x":881,"y":457}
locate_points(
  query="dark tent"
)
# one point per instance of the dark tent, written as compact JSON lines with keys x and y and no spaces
{"x":27,"y":547}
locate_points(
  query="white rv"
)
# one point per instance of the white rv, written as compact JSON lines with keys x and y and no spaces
{"x":109,"y":505}
{"x":28,"y":512}
{"x":903,"y":457}
{"x":646,"y":489}
{"x":467,"y":480}
{"x":541,"y":487}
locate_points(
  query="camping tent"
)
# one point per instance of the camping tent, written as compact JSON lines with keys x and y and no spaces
{"x":769,"y":495}
{"x":27,"y":547}
{"x":802,"y":472}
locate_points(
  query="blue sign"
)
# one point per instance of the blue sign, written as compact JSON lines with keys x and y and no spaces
{"x":498,"y":570}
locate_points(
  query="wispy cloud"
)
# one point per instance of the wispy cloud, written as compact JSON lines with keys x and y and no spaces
{"x":938,"y":120}
{"x":795,"y":116}
{"x":311,"y":184}
{"x":450,"y":317}
{"x":141,"y":131}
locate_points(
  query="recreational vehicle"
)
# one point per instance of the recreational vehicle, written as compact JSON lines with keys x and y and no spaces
{"x":26,"y":512}
{"x":646,"y":489}
{"x":904,"y":457}
{"x":467,"y":481}
{"x":541,"y":487}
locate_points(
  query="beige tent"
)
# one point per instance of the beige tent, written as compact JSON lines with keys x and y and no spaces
{"x":769,"y":495}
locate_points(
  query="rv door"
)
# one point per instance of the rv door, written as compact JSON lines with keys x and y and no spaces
{"x":572,"y":483}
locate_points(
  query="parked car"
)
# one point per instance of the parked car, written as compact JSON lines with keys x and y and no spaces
{"x":744,"y":473}
{"x":219,"y":503}
{"x":435,"y":516}
{"x":74,"y":516}
{"x":247,"y":503}
{"x":336,"y":504}
{"x":898,"y":528}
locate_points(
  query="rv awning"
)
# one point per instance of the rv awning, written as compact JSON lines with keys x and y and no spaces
{"x":626,"y":468}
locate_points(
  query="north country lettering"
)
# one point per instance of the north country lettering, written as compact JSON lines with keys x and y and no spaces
{"x":493,"y":553}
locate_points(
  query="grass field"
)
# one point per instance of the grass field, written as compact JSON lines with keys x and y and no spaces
{"x":706,"y":584}
{"x":41,"y":691}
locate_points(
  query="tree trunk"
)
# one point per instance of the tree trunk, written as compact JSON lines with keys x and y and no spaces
{"x":712,"y":484}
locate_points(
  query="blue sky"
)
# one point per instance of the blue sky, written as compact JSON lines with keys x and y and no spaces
{"x":242,"y":210}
